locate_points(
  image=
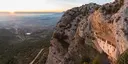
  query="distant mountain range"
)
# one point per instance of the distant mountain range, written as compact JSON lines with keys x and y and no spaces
{"x":29,"y":19}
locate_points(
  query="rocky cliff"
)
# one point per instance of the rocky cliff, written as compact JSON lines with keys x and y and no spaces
{"x":88,"y":30}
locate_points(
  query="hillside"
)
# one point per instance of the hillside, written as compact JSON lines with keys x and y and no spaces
{"x":15,"y":50}
{"x":23,"y":35}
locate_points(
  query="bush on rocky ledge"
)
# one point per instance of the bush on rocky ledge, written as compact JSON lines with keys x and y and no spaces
{"x":123,"y":59}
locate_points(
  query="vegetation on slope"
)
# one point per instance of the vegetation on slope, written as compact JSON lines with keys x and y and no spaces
{"x":123,"y":59}
{"x":25,"y":51}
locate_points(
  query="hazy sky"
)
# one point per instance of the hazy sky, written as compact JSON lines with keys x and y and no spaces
{"x":43,"y":5}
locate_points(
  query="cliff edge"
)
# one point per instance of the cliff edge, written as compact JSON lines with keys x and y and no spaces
{"x":89,"y":30}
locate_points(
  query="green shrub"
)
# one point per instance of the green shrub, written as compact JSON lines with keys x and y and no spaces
{"x":123,"y":59}
{"x":85,"y":63}
{"x":96,"y":60}
{"x":86,"y":60}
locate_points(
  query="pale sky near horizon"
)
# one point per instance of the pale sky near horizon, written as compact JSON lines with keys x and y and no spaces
{"x":44,"y":5}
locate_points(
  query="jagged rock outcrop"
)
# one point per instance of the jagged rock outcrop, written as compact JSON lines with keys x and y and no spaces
{"x":104,"y":28}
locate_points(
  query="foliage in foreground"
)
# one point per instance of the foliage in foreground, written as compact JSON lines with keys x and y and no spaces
{"x":96,"y":60}
{"x":123,"y":59}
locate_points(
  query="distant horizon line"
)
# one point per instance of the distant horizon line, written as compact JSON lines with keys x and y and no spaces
{"x":32,"y":12}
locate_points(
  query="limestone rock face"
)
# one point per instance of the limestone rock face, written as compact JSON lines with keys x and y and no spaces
{"x":105,"y":28}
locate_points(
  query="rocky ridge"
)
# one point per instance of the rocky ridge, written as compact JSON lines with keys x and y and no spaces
{"x":102,"y":27}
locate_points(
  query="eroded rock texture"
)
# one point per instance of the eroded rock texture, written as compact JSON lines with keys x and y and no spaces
{"x":103,"y":28}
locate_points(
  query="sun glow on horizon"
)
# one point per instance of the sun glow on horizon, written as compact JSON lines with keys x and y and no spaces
{"x":11,"y":12}
{"x":42,"y":5}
